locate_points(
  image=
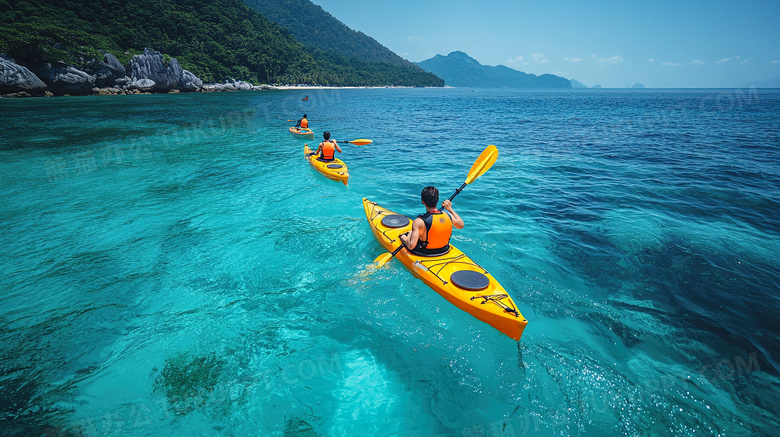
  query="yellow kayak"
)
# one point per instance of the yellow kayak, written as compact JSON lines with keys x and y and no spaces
{"x":453,"y":275}
{"x":302,"y":133}
{"x":335,"y":169}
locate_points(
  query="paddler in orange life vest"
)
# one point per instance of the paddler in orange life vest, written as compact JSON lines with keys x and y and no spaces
{"x":303,"y":123}
{"x":430,"y":234}
{"x":327,"y":148}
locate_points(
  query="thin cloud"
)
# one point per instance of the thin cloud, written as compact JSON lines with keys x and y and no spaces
{"x":611,"y":60}
{"x":415,"y":39}
{"x":651,"y":60}
{"x":671,"y":64}
{"x":723,"y":61}
{"x":697,"y":62}
{"x":539,"y":58}
{"x":520,"y":60}
{"x":573,"y":60}
{"x":776,"y":61}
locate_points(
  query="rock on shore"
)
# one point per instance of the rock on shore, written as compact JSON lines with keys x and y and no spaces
{"x":149,"y":72}
{"x":17,"y":79}
{"x":151,"y":66}
{"x":64,"y":79}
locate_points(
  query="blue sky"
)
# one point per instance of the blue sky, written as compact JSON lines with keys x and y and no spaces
{"x":613,"y":43}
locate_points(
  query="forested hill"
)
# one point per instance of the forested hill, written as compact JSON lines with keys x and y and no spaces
{"x":314,"y":27}
{"x":323,"y":33}
{"x":215,"y":39}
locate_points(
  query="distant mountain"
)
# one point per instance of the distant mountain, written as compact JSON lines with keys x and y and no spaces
{"x":460,"y":70}
{"x":331,"y":41}
{"x":638,"y":86}
{"x":577,"y":84}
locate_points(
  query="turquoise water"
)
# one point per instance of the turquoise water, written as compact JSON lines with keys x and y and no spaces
{"x":172,"y":266}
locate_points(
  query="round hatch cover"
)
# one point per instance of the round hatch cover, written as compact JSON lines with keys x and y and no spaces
{"x":395,"y":221}
{"x":335,"y":166}
{"x":470,"y":280}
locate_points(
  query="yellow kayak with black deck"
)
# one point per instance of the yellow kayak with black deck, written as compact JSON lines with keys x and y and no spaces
{"x":302,"y":132}
{"x":335,"y":169}
{"x":453,"y":275}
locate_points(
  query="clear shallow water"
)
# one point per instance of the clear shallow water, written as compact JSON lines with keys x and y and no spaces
{"x":171,"y":265}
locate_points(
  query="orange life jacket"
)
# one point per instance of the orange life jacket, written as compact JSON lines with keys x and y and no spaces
{"x":439,"y":230}
{"x":304,"y":123}
{"x":328,"y":150}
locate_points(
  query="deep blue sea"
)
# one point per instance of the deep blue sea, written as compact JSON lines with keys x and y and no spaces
{"x":172,"y":266}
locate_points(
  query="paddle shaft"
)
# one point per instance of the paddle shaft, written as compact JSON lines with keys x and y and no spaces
{"x":457,"y":191}
{"x":399,"y":248}
{"x":360,"y":142}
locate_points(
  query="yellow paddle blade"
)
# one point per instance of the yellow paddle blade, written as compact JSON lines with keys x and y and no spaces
{"x":360,"y":142}
{"x":483,"y":163}
{"x":378,"y":263}
{"x":368,"y":271}
{"x":383,"y":259}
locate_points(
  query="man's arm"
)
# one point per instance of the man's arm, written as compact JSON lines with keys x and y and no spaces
{"x":414,"y":235}
{"x":456,"y":220}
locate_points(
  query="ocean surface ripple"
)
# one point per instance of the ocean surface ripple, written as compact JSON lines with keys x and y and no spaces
{"x":172,"y":266}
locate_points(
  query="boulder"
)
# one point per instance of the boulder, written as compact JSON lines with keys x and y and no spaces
{"x":104,"y":77}
{"x":242,"y":86}
{"x":189,"y":82}
{"x":16,"y":78}
{"x":215,"y":87}
{"x":123,"y":82}
{"x":151,"y":65}
{"x":144,"y":84}
{"x":67,"y":80}
{"x":106,"y":91}
{"x":113,"y":64}
{"x":106,"y":72}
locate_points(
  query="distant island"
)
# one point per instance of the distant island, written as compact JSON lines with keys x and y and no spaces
{"x":460,"y":70}
{"x":577,"y":84}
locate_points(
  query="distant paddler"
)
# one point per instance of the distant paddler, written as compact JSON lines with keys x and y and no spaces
{"x":303,"y":123}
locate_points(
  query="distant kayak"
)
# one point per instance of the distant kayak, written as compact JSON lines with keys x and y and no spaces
{"x":302,"y":133}
{"x":335,"y":169}
{"x":453,"y":275}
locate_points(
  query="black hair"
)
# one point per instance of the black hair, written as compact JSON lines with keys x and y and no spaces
{"x":430,"y":196}
{"x":304,"y":115}
{"x":326,"y":135}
